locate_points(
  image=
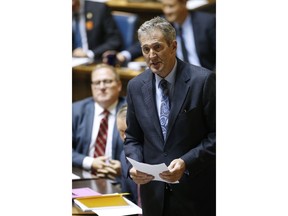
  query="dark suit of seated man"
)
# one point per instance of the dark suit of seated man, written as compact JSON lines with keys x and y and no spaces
{"x":127,"y":185}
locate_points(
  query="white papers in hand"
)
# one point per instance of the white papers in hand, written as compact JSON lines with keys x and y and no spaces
{"x":154,"y":170}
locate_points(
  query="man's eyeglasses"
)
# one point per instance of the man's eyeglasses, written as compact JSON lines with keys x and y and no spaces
{"x":106,"y":82}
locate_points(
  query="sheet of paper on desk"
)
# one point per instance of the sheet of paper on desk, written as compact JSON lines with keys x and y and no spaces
{"x":131,"y":209}
{"x":154,"y":170}
{"x":195,"y":4}
{"x":80,"y":61}
{"x":75,"y":176}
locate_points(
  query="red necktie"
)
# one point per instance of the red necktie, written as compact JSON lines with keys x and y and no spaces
{"x":101,"y":139}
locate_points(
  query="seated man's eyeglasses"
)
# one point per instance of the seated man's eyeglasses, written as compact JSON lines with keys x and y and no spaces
{"x":106,"y":82}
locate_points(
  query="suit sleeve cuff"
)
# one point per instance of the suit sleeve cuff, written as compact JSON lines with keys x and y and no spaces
{"x":127,"y":55}
{"x":87,"y":163}
{"x":90,"y":54}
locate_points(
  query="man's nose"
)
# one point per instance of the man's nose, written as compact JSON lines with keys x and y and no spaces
{"x":152,"y":53}
{"x":167,"y":10}
{"x":102,"y":85}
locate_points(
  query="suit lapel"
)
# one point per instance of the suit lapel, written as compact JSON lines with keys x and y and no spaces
{"x":149,"y":99}
{"x":180,"y":91}
{"x":89,"y":119}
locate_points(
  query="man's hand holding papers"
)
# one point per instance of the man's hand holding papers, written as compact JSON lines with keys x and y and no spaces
{"x":153,"y":171}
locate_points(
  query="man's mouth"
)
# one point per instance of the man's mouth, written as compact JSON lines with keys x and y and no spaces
{"x":155,"y":63}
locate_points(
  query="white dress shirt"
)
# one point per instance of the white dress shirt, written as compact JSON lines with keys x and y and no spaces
{"x":188,"y":35}
{"x":87,"y":162}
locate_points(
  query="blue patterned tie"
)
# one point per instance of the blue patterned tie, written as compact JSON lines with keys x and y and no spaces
{"x":165,"y":106}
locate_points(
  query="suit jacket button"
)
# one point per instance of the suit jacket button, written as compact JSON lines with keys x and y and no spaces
{"x":165,"y":154}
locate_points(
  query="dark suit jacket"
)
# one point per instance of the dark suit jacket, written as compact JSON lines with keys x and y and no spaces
{"x":82,"y":123}
{"x":204,"y":29}
{"x":191,"y":136}
{"x":127,"y":184}
{"x":104,"y":35}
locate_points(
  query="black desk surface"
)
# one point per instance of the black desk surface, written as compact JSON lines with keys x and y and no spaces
{"x":100,"y":185}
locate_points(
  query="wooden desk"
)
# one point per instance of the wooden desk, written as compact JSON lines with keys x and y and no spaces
{"x":83,"y":174}
{"x":145,"y":10}
{"x":147,"y":6}
{"x":81,"y":80}
{"x":100,"y":185}
{"x":149,"y":9}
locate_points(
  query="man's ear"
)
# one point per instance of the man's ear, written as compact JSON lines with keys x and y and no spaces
{"x":174,"y":45}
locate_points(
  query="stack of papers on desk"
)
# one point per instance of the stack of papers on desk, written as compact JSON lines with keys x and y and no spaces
{"x":138,"y":66}
{"x":83,"y":192}
{"x":108,"y":204}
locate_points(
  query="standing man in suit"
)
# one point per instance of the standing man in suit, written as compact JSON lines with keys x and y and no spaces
{"x":171,"y":119}
{"x":86,"y":117}
{"x":94,"y":30}
{"x":198,"y":30}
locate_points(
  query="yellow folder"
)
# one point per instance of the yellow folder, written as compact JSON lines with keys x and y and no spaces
{"x":106,"y":200}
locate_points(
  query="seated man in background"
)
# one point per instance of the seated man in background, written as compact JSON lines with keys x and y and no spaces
{"x":96,"y":143}
{"x":94,"y":30}
{"x":127,"y":185}
{"x":198,"y":31}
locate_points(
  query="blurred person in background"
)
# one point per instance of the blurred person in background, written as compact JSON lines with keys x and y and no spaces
{"x":127,"y":184}
{"x":94,"y":30}
{"x":198,"y":31}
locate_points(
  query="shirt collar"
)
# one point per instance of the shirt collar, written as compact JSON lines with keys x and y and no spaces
{"x":111,"y":109}
{"x":170,"y":77}
{"x":186,"y":24}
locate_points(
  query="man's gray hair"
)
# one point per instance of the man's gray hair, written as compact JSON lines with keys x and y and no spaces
{"x":161,"y":24}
